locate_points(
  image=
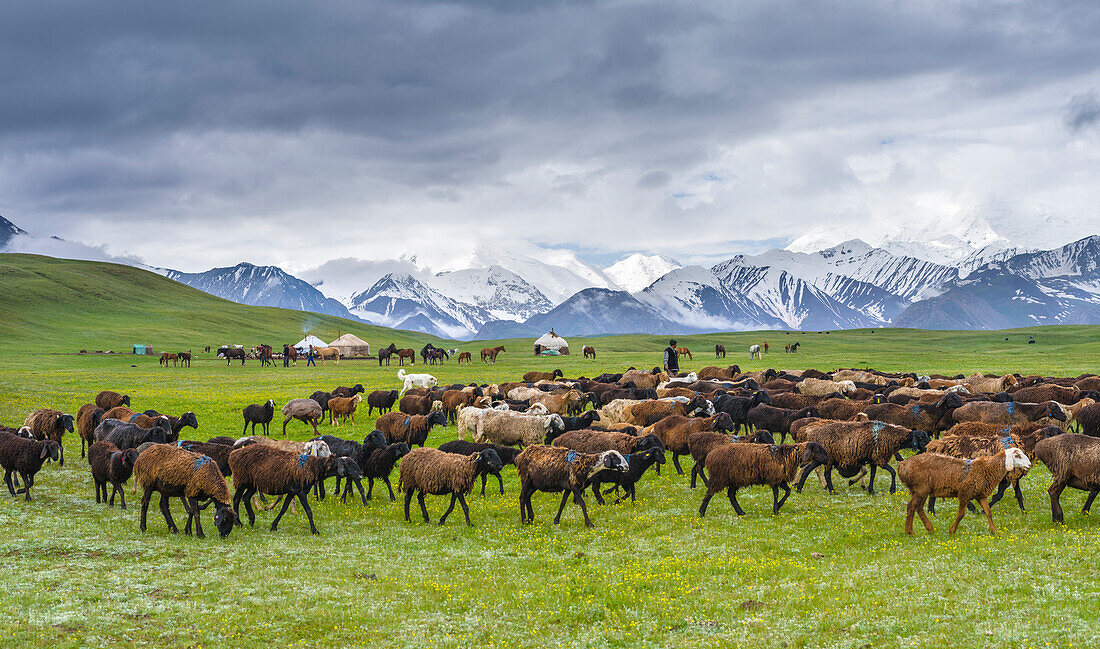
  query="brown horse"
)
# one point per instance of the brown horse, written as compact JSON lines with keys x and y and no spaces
{"x":465,"y":356}
{"x":185,"y":358}
{"x":793,"y":348}
{"x":589,"y":352}
{"x":292,"y":354}
{"x":207,"y":349}
{"x":684,"y":351}
{"x":402,"y":354}
{"x":168,"y":356}
{"x":491,"y":354}
{"x":719,"y":350}
{"x":765,"y":347}
{"x":327,"y":352}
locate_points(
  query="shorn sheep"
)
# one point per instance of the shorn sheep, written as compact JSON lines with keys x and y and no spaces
{"x":111,"y":466}
{"x":416,"y":380}
{"x":550,"y":469}
{"x":735,"y":466}
{"x":257,"y":414}
{"x":50,"y":424}
{"x":1073,"y":461}
{"x":25,"y":457}
{"x":439,"y":473}
{"x":942,"y":476}
{"x":175,"y":472}
{"x":304,"y":410}
{"x":266,"y":469}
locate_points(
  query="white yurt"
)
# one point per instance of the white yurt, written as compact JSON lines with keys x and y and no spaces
{"x":303,"y":344}
{"x":551,"y":341}
{"x":351,"y":346}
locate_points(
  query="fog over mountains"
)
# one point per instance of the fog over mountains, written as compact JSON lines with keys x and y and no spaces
{"x":971,"y":277}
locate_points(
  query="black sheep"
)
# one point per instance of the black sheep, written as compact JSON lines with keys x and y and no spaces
{"x":322,"y":398}
{"x":222,"y":439}
{"x":380,"y":464}
{"x":637,"y":464}
{"x":262,"y":415}
{"x":125,"y":435}
{"x":462,"y":447}
{"x":25,"y":457}
{"x":214,"y":450}
{"x":580,"y":423}
{"x":381,"y":399}
{"x":738,"y":407}
{"x":111,"y":466}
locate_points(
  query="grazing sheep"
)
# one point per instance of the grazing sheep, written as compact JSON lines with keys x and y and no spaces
{"x":988,"y":385}
{"x":734,"y":466}
{"x":125,"y":435}
{"x":821,"y":387}
{"x":637,"y":464}
{"x":776,"y":420}
{"x":700,"y":444}
{"x":791,"y":400}
{"x":256,"y":414}
{"x":550,"y":469}
{"x":343,"y":408}
{"x":852,"y":444}
{"x":175,"y":472}
{"x":648,"y":413}
{"x":47,"y":423}
{"x":304,"y":410}
{"x":1073,"y":461}
{"x":644,"y":380}
{"x":1007,"y":414}
{"x":516,"y":429}
{"x":439,"y":473}
{"x":383,"y":400}
{"x":322,"y":398}
{"x":415,"y":404}
{"x":120,"y":412}
{"x":453,"y":400}
{"x":87,"y":418}
{"x":360,"y":452}
{"x":262,"y":468}
{"x":25,"y":457}
{"x":411,"y":429}
{"x":416,"y":380}
{"x":347,"y":392}
{"x":1047,"y":392}
{"x":111,"y":466}
{"x":213,"y":450}
{"x":108,"y":399}
{"x":675,"y":431}
{"x":532,"y":377}
{"x":942,"y":476}
{"x":507,"y":456}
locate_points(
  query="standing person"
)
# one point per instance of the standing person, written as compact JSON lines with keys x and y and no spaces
{"x":286,"y":355}
{"x":309,"y":359}
{"x":672,"y":359}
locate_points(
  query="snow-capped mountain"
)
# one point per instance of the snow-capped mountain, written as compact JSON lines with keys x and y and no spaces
{"x":7,"y":231}
{"x":259,"y":286}
{"x":557,"y":275}
{"x":637,"y":271}
{"x":403,"y":302}
{"x":595,"y":311}
{"x":504,"y":294}
{"x":696,"y":297}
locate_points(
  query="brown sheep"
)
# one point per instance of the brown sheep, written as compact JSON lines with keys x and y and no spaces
{"x":1047,"y":392}
{"x":550,"y":469}
{"x":1007,"y":414}
{"x":712,"y":372}
{"x":1073,"y":461}
{"x":108,"y":399}
{"x":644,"y":380}
{"x":47,"y":423}
{"x":343,"y":408}
{"x":597,"y":441}
{"x":453,"y":400}
{"x":195,"y":478}
{"x":675,"y":431}
{"x":304,"y":410}
{"x":532,"y":377}
{"x":1072,"y":411}
{"x":411,"y":429}
{"x":852,"y":444}
{"x":942,"y":476}
{"x":416,"y":404}
{"x":700,"y":444}
{"x":932,"y":418}
{"x":439,"y":473}
{"x":794,"y":401}
{"x":266,"y":469}
{"x":1088,"y":383}
{"x":87,"y":418}
{"x":561,"y":402}
{"x":122,"y":413}
{"x":734,"y":466}
{"x":988,"y":385}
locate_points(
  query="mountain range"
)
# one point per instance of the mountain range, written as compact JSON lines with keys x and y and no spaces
{"x":971,"y":279}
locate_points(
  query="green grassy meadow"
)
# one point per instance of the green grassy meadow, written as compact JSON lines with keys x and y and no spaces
{"x":828,"y":571}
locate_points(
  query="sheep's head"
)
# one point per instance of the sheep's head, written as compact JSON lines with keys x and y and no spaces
{"x":437,"y":418}
{"x":400,"y":449}
{"x":376,"y":439}
{"x":723,"y":422}
{"x":51,"y":451}
{"x":815,"y":453}
{"x":65,"y":422}
{"x":1055,"y":411}
{"x":610,"y":461}
{"x":762,"y":437}
{"x":270,"y":403}
{"x":1016,"y":459}
{"x":557,"y":373}
{"x":917,"y":439}
{"x":554,"y":422}
{"x":126,"y":400}
{"x":224,"y":519}
{"x":950,"y":401}
{"x":189,"y":419}
{"x":359,"y":399}
{"x":488,"y":461}
{"x":649,"y":442}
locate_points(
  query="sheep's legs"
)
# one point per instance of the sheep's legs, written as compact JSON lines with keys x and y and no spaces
{"x":121,"y":495}
{"x":596,"y":492}
{"x":988,"y":514}
{"x":499,"y":480}
{"x":916,"y":506}
{"x":962,"y":512}
{"x":1001,"y":489}
{"x":871,"y":480}
{"x":388,"y":486}
{"x":1055,"y":492}
{"x":423,"y":507}
{"x":408,"y":501}
{"x":805,"y":474}
{"x":167,"y":512}
{"x":776,"y":501}
{"x":145,"y":506}
{"x":1088,"y":502}
{"x":1019,"y":494}
{"x":676,"y":463}
{"x":561,"y":508}
{"x":732,"y":493}
{"x":578,"y":497}
{"x":309,"y":511}
{"x":98,"y":488}
{"x":706,"y":501}
{"x":286,"y":505}
{"x":347,"y":488}
{"x":450,"y":508}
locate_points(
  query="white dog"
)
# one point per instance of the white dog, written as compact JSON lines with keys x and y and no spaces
{"x":416,"y":380}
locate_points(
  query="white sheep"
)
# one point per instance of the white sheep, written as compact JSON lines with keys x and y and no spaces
{"x":509,"y":428}
{"x":416,"y":380}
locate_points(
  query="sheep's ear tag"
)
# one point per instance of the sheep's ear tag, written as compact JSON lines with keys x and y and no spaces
{"x":572,"y":455}
{"x":302,"y":459}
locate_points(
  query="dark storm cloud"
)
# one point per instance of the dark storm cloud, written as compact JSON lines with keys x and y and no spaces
{"x":1082,"y":111}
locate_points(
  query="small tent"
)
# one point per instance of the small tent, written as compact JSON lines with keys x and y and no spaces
{"x":303,"y":344}
{"x":551,"y":341}
{"x":351,"y":346}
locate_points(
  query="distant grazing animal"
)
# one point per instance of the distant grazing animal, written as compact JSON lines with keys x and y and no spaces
{"x":754,"y":351}
{"x":465,"y":356}
{"x":684,"y":351}
{"x":304,"y":410}
{"x":490,"y":354}
{"x":266,"y":355}
{"x":327,"y":352}
{"x":185,"y":358}
{"x":292,"y":354}
{"x":108,"y":399}
{"x":207,"y":349}
{"x":719,"y":351}
{"x":589,"y":352}
{"x":409,"y":353}
{"x":381,"y":399}
{"x":792,"y":348}
{"x":436,"y":354}
{"x":765,"y":347}
{"x":385,"y":353}
{"x":166,"y":356}
{"x":232,"y":352}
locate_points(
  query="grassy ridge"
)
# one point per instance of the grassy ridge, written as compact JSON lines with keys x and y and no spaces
{"x":829,"y":571}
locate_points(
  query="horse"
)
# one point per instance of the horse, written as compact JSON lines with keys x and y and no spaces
{"x":424,"y":351}
{"x":327,"y":352}
{"x":385,"y":353}
{"x":684,"y":351}
{"x":719,"y":351}
{"x":589,"y":352}
{"x":168,"y":356}
{"x":231,"y":353}
{"x":292,"y":354}
{"x":765,"y":347}
{"x":185,"y":357}
{"x":436,"y":354}
{"x":267,"y":355}
{"x":491,"y":353}
{"x":409,"y":353}
{"x":754,"y":351}
{"x":793,"y":348}
{"x":465,"y":356}
{"x":207,"y":350}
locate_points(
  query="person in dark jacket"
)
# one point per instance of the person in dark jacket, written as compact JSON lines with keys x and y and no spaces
{"x":286,"y":355}
{"x":672,"y":359}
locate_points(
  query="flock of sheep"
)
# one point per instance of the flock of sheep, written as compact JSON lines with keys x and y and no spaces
{"x":970,"y":436}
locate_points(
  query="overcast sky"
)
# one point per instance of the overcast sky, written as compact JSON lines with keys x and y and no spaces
{"x":199,"y":134}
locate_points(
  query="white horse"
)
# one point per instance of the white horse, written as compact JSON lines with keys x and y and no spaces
{"x":754,"y":351}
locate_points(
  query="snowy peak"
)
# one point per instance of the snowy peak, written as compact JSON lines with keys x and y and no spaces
{"x":506,"y":295}
{"x":7,"y":231}
{"x":1079,"y":258}
{"x":401,"y":301}
{"x":557,"y":274}
{"x":637,"y":271}
{"x":259,"y":286}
